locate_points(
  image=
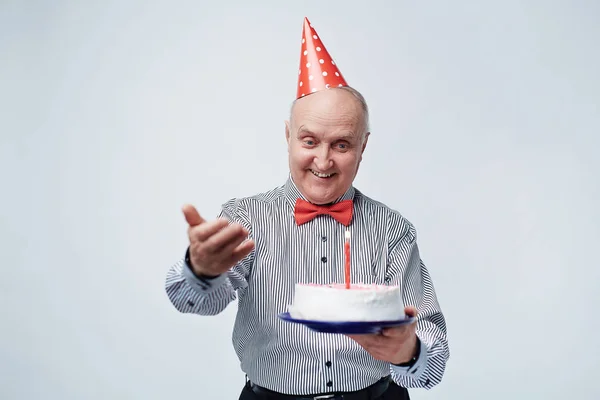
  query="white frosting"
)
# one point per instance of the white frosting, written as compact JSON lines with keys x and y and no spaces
{"x":336,"y":303}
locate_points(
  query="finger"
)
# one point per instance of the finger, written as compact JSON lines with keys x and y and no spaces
{"x":367,"y":341}
{"x":192,"y":216}
{"x":410,"y":311}
{"x":395,"y":331}
{"x":229,"y":247}
{"x":202,"y":233}
{"x":223,"y":238}
{"x":374,"y":345}
{"x":360,"y":339}
{"x":241,"y":251}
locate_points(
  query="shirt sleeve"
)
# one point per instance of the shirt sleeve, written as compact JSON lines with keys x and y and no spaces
{"x":209,"y":296}
{"x":408,"y":270}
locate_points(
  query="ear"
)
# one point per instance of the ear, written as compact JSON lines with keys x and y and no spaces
{"x":364,"y":145}
{"x":287,"y":131}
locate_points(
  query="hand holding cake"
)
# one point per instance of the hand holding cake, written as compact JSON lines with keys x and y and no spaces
{"x":396,"y":345}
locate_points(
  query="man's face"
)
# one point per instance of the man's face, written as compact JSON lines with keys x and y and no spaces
{"x":326,"y":139}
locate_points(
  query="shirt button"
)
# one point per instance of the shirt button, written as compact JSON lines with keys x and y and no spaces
{"x":328,"y":363}
{"x":329,"y":384}
{"x":324,"y":259}
{"x":324,"y":238}
{"x":190,"y":303}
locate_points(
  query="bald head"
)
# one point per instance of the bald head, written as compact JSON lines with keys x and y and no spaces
{"x":323,"y":100}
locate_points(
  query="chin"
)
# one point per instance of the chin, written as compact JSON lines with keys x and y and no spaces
{"x":319,"y":191}
{"x":321,"y":198}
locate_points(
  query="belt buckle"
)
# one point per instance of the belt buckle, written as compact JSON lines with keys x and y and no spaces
{"x":324,"y":396}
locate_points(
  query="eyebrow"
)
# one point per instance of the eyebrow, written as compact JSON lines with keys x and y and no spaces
{"x":303,"y":130}
{"x":348,"y":137}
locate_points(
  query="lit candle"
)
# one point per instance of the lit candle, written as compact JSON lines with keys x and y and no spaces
{"x":347,"y":264}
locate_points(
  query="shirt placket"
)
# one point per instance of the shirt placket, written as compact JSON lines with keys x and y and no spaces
{"x":327,"y":239}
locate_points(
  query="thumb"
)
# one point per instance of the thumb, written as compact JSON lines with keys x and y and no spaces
{"x":192,"y":216}
{"x":410,"y":311}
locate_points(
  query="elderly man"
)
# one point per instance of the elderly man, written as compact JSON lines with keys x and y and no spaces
{"x":260,"y":246}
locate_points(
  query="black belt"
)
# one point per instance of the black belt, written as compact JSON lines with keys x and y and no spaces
{"x":374,"y":391}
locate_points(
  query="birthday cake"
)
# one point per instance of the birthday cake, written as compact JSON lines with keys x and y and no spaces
{"x":359,"y":303}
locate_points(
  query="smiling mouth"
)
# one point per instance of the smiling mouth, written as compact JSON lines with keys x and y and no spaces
{"x":321,"y":175}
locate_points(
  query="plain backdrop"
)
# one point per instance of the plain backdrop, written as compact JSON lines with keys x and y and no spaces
{"x":113,"y":114}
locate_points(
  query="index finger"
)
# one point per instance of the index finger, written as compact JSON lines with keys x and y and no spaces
{"x":396,"y":331}
{"x":366,"y":340}
{"x":192,"y":216}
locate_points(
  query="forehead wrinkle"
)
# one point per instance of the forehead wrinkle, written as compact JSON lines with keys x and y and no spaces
{"x":353,"y":115}
{"x":341,"y":134}
{"x":347,"y":121}
{"x":358,"y":99}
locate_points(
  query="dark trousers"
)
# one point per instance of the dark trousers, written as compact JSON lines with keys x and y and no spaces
{"x":394,"y":392}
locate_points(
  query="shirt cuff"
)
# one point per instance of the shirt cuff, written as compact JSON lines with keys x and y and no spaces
{"x":202,"y":285}
{"x":418,"y":368}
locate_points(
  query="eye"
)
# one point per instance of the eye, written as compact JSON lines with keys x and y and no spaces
{"x":309,"y":142}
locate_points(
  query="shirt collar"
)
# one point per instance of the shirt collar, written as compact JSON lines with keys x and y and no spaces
{"x":292,"y":193}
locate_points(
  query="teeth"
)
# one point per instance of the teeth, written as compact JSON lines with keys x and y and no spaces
{"x":320,"y":175}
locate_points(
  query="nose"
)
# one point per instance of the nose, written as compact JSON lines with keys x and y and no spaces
{"x":322,"y":159}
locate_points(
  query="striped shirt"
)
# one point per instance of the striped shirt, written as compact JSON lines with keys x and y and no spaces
{"x":290,"y":358}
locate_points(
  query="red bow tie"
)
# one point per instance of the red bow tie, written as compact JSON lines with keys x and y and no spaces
{"x":305,"y":211}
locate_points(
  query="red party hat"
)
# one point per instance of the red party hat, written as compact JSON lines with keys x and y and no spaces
{"x":317,"y":70}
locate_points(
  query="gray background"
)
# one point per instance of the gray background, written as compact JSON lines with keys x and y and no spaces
{"x":114,"y":114}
